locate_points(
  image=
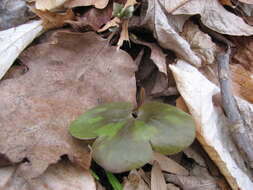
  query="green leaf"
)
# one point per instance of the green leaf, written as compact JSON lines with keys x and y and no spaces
{"x":125,"y":142}
{"x":127,"y":13}
{"x":117,"y":8}
{"x":113,"y":181}
{"x":88,"y":125}
{"x":120,"y":12}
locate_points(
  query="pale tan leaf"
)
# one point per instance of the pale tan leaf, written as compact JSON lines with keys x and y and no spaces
{"x":53,"y":20}
{"x":242,"y":82}
{"x":192,"y":182}
{"x":181,"y":104}
{"x":124,"y":36}
{"x":60,"y":176}
{"x":171,"y":186}
{"x":134,"y":181}
{"x":157,"y":55}
{"x":14,"y":40}
{"x":191,"y":153}
{"x":247,"y":1}
{"x":226,"y":2}
{"x":99,"y":4}
{"x":68,"y":74}
{"x":200,"y":43}
{"x":170,"y":6}
{"x":216,"y":17}
{"x":169,"y":165}
{"x":157,"y":178}
{"x":48,"y":4}
{"x":212,"y":126}
{"x":130,"y":3}
{"x":115,"y":22}
{"x":166,"y":32}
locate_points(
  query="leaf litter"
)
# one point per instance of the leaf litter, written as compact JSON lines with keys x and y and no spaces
{"x":74,"y":71}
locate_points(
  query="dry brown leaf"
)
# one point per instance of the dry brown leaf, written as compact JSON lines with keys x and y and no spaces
{"x":54,"y":20}
{"x":157,"y":55}
{"x":99,"y":4}
{"x":242,"y":82}
{"x":165,"y":32}
{"x":192,"y":182}
{"x":115,"y":22}
{"x":191,"y":153}
{"x":216,"y":17}
{"x":60,"y":176}
{"x":95,"y":18}
{"x":134,"y":181}
{"x":130,"y":3}
{"x":200,"y":43}
{"x":67,"y":75}
{"x":244,"y":53}
{"x":124,"y":36}
{"x":157,"y":178}
{"x":171,"y":186}
{"x":226,"y":2}
{"x":181,"y":104}
{"x":169,"y":165}
{"x":247,"y":1}
{"x":212,"y":126}
{"x":170,"y":6}
{"x":48,"y":4}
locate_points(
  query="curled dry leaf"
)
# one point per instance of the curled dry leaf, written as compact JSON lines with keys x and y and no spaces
{"x":95,"y":18}
{"x":165,"y":32}
{"x":14,"y":40}
{"x":71,"y":72}
{"x":157,"y":178}
{"x":212,"y":126}
{"x":115,"y":22}
{"x":99,"y":4}
{"x":242,"y":82}
{"x":124,"y":36}
{"x":54,"y":20}
{"x":247,"y":1}
{"x":48,"y":4}
{"x":134,"y":181}
{"x":157,"y":55}
{"x":244,"y":53}
{"x":60,"y":176}
{"x":169,"y":165}
{"x":200,"y":43}
{"x":171,"y":186}
{"x":216,"y":17}
{"x":192,"y":182}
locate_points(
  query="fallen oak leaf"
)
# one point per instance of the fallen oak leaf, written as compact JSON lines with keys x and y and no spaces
{"x":247,"y":1}
{"x":48,"y":4}
{"x":53,"y":20}
{"x":215,"y":17}
{"x":115,"y":22}
{"x":70,"y":82}
{"x":166,"y":33}
{"x":61,"y":176}
{"x":99,"y":4}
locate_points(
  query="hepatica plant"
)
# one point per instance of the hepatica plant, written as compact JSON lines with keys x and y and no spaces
{"x":126,"y":140}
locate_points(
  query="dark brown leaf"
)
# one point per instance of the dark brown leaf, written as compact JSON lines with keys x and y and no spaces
{"x":67,"y":75}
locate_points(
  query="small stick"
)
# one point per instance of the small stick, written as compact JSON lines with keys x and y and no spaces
{"x":239,"y":132}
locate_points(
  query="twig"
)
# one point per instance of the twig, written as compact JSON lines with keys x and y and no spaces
{"x":239,"y":132}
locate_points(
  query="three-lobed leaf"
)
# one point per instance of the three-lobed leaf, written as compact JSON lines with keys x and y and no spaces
{"x":125,"y":142}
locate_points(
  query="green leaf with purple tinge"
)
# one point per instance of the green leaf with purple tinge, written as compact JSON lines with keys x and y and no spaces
{"x":125,"y":142}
